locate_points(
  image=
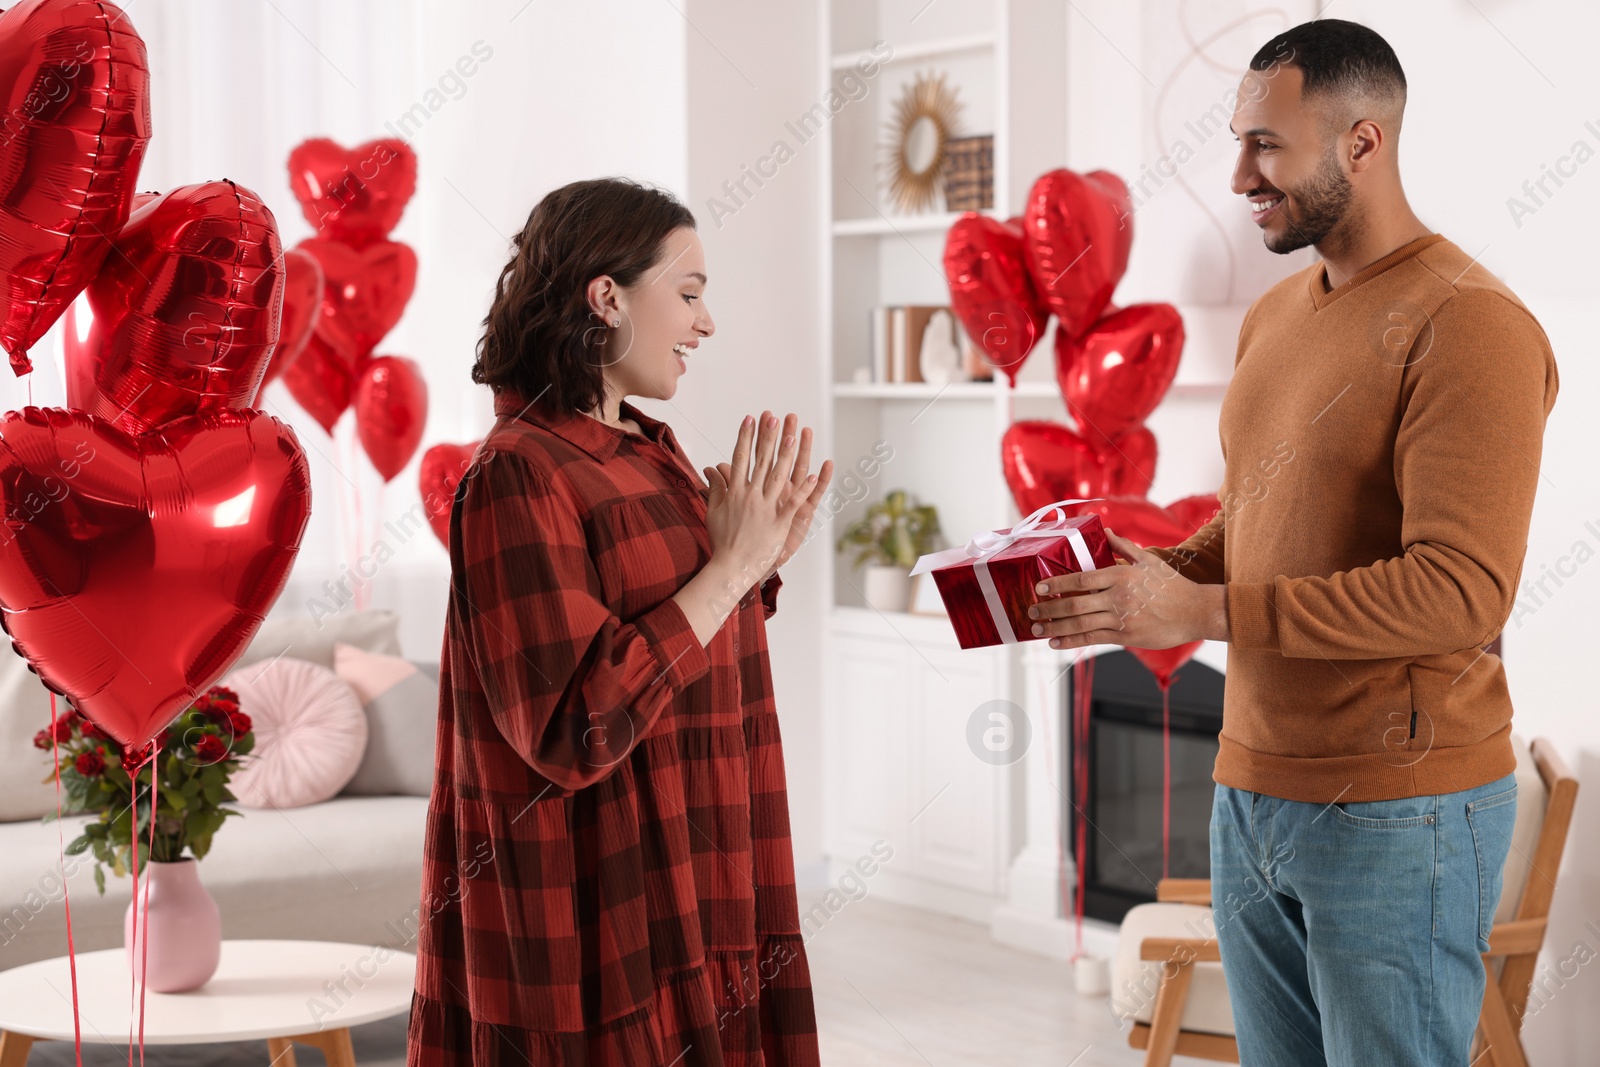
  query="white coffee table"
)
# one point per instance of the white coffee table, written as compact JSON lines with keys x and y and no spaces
{"x":284,"y":991}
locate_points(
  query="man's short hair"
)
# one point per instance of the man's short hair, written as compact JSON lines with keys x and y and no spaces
{"x":1338,"y":58}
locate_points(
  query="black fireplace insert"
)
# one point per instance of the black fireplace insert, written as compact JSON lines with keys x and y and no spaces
{"x":1124,"y":850}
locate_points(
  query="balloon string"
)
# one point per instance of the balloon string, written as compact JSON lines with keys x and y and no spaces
{"x":361,"y":533}
{"x":66,"y":899}
{"x":1082,"y":700}
{"x":345,"y":520}
{"x":133,"y":839}
{"x":1166,"y":775}
{"x":1077,"y":807}
{"x":144,"y":946}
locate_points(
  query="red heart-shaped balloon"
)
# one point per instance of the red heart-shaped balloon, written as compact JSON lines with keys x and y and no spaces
{"x":1146,"y":523}
{"x":1078,"y":230}
{"x":1151,"y":525}
{"x":302,"y":303}
{"x":1134,"y":467}
{"x":81,"y":336}
{"x":1164,"y":662}
{"x":364,"y":293}
{"x":320,"y":381}
{"x":185,"y":309}
{"x":1045,"y":461}
{"x":441,"y":470}
{"x":355,"y":195}
{"x":136,"y":569}
{"x":990,"y":291}
{"x":76,"y":83}
{"x":1113,"y":377}
{"x":1195,"y":511}
{"x":391,"y":411}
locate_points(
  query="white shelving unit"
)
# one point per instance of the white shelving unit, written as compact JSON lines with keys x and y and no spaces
{"x":899,"y":692}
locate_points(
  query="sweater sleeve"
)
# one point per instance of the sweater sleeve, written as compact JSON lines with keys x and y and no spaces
{"x":1199,"y":558}
{"x":569,"y":685}
{"x":1466,"y":465}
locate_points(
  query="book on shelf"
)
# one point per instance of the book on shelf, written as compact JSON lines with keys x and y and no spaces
{"x":903,"y":349}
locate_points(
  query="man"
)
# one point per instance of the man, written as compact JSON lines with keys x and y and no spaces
{"x":1381,"y":435}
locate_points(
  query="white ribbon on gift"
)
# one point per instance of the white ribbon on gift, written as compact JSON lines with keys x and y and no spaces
{"x":986,"y":545}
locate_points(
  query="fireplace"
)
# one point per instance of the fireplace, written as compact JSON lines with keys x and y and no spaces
{"x":1123,"y":855}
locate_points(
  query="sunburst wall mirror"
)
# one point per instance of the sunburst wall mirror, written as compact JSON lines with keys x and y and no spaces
{"x":926,"y":117}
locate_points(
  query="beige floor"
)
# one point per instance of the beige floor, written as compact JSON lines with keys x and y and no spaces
{"x":900,"y":987}
{"x":895,"y":987}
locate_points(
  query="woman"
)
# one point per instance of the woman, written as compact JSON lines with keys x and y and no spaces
{"x":608,"y":876}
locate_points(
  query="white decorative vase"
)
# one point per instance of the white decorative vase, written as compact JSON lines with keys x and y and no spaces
{"x":183,"y":929}
{"x":888,"y":587}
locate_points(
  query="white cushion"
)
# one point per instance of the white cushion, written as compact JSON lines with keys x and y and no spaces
{"x":1134,"y":982}
{"x":310,"y":733}
{"x":401,"y":702}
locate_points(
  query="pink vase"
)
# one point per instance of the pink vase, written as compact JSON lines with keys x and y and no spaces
{"x":184,"y":927}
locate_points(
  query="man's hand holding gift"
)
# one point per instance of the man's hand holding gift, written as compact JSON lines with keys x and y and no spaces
{"x":1144,"y":602}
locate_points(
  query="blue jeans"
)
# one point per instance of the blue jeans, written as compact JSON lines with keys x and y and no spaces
{"x":1351,"y":932}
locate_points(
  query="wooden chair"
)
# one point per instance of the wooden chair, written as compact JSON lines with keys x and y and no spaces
{"x":1167,"y":975}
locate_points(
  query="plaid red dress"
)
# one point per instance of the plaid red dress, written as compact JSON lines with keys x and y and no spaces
{"x":608,"y":877}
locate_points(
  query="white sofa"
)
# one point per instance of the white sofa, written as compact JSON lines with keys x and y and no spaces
{"x":348,"y":869}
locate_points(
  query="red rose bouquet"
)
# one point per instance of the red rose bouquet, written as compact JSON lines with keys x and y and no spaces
{"x":195,"y":756}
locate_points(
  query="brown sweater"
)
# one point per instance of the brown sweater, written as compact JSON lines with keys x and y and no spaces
{"x":1382,"y":447}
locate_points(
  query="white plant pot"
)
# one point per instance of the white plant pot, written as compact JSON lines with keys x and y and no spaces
{"x":1091,"y":976}
{"x":888,"y":587}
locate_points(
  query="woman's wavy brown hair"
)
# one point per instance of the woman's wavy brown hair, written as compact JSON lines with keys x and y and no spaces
{"x":540,"y":338}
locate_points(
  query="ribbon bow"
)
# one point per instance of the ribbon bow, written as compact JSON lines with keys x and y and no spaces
{"x":986,"y":544}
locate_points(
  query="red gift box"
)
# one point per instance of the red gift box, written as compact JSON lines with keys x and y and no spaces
{"x":988,"y":584}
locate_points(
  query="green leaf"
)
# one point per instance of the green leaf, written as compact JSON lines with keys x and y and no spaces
{"x":100,"y":879}
{"x":78,"y":845}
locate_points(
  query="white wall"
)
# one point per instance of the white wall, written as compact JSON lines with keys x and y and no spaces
{"x":750,"y":69}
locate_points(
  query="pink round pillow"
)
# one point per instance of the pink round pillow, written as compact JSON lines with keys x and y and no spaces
{"x":310,"y":733}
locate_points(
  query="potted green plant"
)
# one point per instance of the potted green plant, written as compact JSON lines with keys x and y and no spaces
{"x":888,"y":539}
{"x":181,"y":935}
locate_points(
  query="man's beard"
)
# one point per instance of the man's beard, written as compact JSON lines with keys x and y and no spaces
{"x":1320,"y":202}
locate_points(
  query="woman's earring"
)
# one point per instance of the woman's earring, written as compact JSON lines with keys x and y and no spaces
{"x":616,"y":322}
